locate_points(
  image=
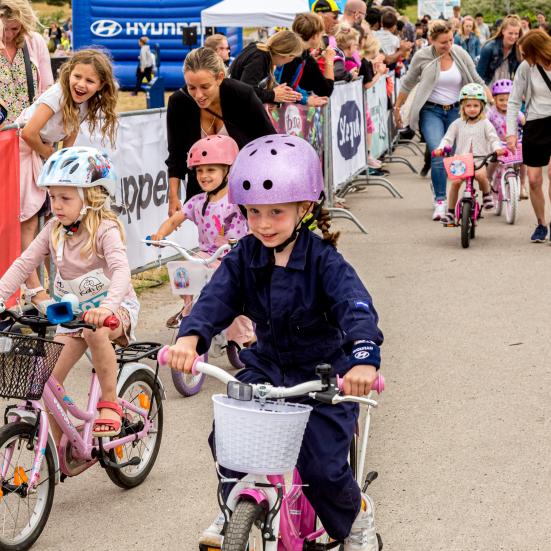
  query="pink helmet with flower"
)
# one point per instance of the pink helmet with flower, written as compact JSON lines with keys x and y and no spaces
{"x":213,"y":150}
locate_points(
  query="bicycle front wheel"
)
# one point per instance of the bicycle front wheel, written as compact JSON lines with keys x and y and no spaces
{"x":141,"y":390}
{"x":466,"y":222}
{"x":24,"y":511}
{"x":242,"y":533}
{"x":511,"y":191}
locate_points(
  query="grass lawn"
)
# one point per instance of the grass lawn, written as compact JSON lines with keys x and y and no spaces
{"x":46,"y":11}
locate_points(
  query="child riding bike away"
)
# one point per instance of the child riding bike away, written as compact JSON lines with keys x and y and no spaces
{"x":309,"y":307}
{"x":86,"y":242}
{"x":216,"y":218}
{"x":471,"y":133}
{"x":497,"y":115}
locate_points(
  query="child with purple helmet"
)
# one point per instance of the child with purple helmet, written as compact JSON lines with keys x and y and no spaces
{"x":309,"y":307}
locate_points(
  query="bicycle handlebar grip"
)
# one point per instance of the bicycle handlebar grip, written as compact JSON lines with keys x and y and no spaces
{"x":162,"y":355}
{"x":378,"y":385}
{"x":193,"y":369}
{"x":148,"y":238}
{"x":112,"y":322}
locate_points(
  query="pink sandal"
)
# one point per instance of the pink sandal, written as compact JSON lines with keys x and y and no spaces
{"x":114,"y":425}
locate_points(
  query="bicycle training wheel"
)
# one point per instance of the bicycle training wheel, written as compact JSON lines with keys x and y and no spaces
{"x":242,"y":533}
{"x":23,"y":512}
{"x":141,"y":390}
{"x":466,"y":222}
{"x":511,"y":189}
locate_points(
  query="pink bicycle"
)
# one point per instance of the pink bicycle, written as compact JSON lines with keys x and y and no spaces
{"x":467,"y":209}
{"x":506,"y":185}
{"x":188,"y":277}
{"x":258,"y":433}
{"x":31,"y":464}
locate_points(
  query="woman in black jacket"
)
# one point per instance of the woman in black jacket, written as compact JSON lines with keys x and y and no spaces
{"x":255,"y":66}
{"x":208,"y":104}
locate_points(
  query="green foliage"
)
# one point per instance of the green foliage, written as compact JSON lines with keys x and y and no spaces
{"x":56,"y":16}
{"x":57,"y":2}
{"x":496,"y":9}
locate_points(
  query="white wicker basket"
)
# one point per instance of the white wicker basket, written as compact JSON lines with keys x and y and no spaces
{"x":258,"y":438}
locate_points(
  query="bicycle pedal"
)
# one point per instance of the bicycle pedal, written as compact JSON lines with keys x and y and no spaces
{"x":203,"y":547}
{"x":369,"y":479}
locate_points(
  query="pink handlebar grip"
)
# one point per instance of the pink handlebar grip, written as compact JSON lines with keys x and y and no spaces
{"x":378,"y":385}
{"x":198,"y":359}
{"x":162,"y":355}
{"x":112,"y":322}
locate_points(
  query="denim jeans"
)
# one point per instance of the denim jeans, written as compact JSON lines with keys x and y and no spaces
{"x":434,"y":121}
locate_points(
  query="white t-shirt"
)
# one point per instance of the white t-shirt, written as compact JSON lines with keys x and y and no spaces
{"x":53,"y":130}
{"x":446,"y":91}
{"x":389,"y":42}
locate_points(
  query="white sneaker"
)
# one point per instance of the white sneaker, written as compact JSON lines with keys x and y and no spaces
{"x":362,"y":535}
{"x":212,"y":536}
{"x":440,"y":210}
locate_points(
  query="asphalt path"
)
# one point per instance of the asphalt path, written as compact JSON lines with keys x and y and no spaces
{"x":461,"y":438}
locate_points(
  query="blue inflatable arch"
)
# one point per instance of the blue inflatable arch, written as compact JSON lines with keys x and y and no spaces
{"x":118,"y":24}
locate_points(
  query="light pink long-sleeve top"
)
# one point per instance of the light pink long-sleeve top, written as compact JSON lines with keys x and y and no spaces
{"x":39,"y":55}
{"x":111,"y":258}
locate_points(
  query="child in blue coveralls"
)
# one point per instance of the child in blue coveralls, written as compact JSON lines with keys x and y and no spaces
{"x":309,"y":307}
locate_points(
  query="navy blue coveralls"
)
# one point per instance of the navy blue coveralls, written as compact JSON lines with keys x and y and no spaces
{"x":306,"y":313}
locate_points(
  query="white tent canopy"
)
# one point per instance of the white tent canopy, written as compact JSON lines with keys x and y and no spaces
{"x":253,"y":13}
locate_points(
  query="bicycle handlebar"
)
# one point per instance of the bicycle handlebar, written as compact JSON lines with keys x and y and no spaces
{"x":184,"y":252}
{"x":315,"y":389}
{"x":36,"y":320}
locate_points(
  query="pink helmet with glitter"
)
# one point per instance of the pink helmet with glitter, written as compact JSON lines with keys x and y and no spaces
{"x":213,"y":150}
{"x":277,"y":168}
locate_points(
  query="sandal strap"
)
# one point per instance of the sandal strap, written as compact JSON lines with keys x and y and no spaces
{"x":113,"y":423}
{"x":104,"y":404}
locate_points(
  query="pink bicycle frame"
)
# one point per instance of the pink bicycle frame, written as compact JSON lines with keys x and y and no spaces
{"x":58,"y":403}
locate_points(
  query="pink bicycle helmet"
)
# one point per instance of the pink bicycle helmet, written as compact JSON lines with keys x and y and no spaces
{"x":502,"y":87}
{"x":277,"y":168}
{"x":213,"y":150}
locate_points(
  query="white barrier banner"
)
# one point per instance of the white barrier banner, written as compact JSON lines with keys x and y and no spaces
{"x":378,"y":107}
{"x":139,"y":160}
{"x":347,"y":131}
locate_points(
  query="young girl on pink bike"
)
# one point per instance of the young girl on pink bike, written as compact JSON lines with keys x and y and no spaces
{"x":217,"y":220}
{"x":471,"y":133}
{"x":86,"y":242}
{"x":497,"y":115}
{"x":309,"y":306}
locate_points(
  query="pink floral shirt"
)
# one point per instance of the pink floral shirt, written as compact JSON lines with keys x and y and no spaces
{"x":499,"y":122}
{"x":221,"y":221}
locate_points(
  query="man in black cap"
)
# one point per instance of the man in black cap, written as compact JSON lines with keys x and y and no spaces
{"x":329,"y":11}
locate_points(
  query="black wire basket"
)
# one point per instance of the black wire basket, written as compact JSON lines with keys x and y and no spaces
{"x":26,"y":363}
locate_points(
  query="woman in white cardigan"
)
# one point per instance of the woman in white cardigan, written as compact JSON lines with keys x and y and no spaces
{"x":439,"y":71}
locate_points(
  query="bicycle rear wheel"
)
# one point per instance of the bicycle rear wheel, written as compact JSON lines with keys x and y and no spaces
{"x":242,"y":533}
{"x":23,"y":512}
{"x":466,"y":209}
{"x":141,"y":390}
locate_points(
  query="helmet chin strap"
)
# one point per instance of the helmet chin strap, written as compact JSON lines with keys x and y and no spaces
{"x":214,"y":192}
{"x":279,"y":248}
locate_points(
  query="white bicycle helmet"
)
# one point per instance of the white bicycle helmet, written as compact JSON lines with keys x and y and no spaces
{"x":80,"y":167}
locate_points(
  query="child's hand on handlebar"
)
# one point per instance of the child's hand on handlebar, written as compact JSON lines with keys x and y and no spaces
{"x":438,"y":153}
{"x":512,"y":143}
{"x":156,"y":237}
{"x":502,"y":151}
{"x":96,"y":316}
{"x":182,"y":354}
{"x":359,"y":380}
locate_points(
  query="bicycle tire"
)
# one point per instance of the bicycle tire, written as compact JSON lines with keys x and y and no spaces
{"x":466,"y":208}
{"x":511,"y":186}
{"x":130,"y":479}
{"x":187,"y":384}
{"x":44,"y":504}
{"x":232,"y":351}
{"x":240,"y":525}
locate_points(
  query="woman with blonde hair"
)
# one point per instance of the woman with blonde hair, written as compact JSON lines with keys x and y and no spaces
{"x":468,"y":37}
{"x":532,"y":85}
{"x":208,"y":104}
{"x":25,"y":69}
{"x":256,"y":63}
{"x":440,"y":71}
{"x":500,"y":57}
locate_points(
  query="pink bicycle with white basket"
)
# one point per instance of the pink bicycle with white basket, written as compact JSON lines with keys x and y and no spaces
{"x":188,"y":277}
{"x":259,"y":434}
{"x":506,"y":184}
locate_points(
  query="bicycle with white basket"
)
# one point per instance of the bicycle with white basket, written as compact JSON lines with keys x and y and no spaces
{"x":260,"y":511}
{"x":188,"y":277}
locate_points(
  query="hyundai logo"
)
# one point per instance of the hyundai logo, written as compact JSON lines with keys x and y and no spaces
{"x":106,"y":28}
